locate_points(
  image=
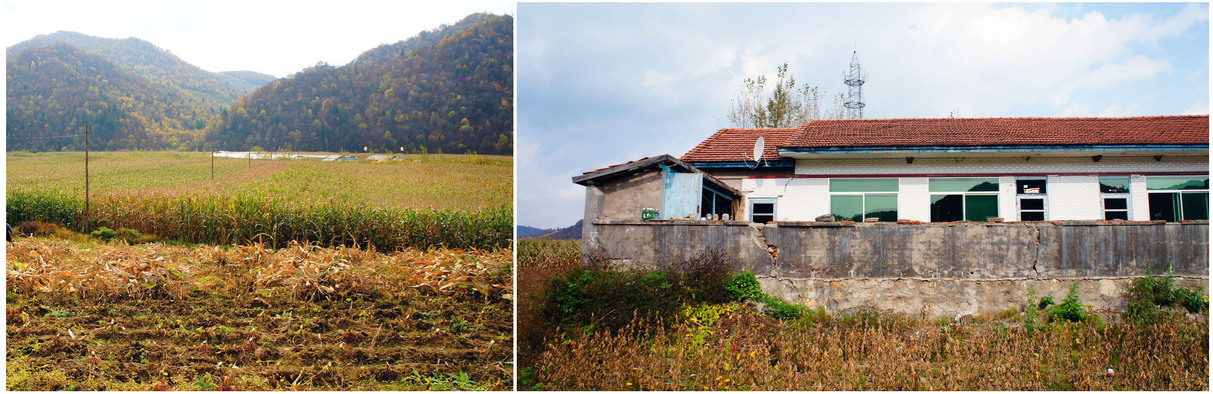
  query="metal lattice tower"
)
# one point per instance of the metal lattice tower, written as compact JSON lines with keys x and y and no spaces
{"x":854,"y":80}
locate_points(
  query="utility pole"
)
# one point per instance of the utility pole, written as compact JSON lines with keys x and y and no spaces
{"x":86,"y":207}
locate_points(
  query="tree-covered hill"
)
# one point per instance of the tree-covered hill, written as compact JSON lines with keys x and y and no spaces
{"x":53,"y":90}
{"x":448,"y":89}
{"x":149,"y":61}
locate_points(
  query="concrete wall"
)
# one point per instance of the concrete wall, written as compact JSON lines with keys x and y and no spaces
{"x":952,"y":268}
{"x":626,"y":198}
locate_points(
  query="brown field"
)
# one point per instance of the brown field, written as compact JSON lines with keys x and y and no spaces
{"x":83,"y":315}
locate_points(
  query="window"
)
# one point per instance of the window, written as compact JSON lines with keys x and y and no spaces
{"x":1175,"y":198}
{"x":762,"y":210}
{"x":864,"y":198}
{"x":956,"y":199}
{"x":1031,"y":194}
{"x":1114,"y":193}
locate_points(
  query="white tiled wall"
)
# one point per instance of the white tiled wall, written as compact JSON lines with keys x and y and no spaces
{"x":1070,"y":197}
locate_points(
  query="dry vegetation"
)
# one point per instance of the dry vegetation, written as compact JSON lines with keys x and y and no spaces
{"x":455,"y":182}
{"x":733,"y":346}
{"x":83,"y":315}
{"x":446,"y":200}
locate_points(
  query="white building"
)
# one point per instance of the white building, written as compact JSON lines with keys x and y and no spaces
{"x":942,"y":170}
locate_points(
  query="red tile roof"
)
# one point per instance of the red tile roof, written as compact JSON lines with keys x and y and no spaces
{"x":731,"y":144}
{"x":1144,"y":130}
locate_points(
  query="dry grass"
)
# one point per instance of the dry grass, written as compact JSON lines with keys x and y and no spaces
{"x":732,"y":346}
{"x":746,"y":351}
{"x":539,"y":261}
{"x":111,"y":316}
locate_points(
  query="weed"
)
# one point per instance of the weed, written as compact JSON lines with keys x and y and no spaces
{"x":104,"y":234}
{"x":743,"y":286}
{"x":1150,"y":296}
{"x":1069,"y":309}
{"x":1045,"y":302}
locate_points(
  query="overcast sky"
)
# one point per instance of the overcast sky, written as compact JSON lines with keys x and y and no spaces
{"x":602,"y":84}
{"x":272,"y":37}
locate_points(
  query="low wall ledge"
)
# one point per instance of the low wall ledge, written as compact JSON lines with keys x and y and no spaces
{"x":631,"y":222}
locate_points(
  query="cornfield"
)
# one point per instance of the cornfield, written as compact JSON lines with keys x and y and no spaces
{"x":225,"y":220}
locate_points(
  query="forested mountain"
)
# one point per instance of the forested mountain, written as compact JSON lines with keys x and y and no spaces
{"x":53,"y":90}
{"x":247,"y":80}
{"x":449,"y":90}
{"x":151,"y":62}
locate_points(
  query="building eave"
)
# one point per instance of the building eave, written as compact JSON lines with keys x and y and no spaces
{"x":994,"y":150}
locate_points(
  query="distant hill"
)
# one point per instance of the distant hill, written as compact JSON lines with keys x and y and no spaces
{"x":247,"y":80}
{"x":155,"y":64}
{"x":531,"y":232}
{"x":570,"y":232}
{"x":133,"y":94}
{"x":53,"y":90}
{"x":448,"y":89}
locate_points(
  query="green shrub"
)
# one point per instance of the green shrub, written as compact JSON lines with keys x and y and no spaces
{"x":104,"y":234}
{"x":1194,"y":301}
{"x":1045,"y":302}
{"x":1149,"y":294}
{"x":781,"y":309}
{"x":743,"y":286}
{"x":1069,"y":309}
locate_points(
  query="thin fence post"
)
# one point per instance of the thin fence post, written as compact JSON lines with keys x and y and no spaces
{"x":86,"y":205}
{"x":212,"y":163}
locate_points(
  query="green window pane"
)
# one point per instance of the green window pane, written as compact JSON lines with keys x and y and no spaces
{"x":1114,"y":184}
{"x":978,"y":208}
{"x":1195,"y":206}
{"x":1177,"y":183}
{"x":881,"y":206}
{"x":847,"y":207}
{"x":938,"y":185}
{"x":1164,"y":206}
{"x":947,"y":208}
{"x":864,"y":185}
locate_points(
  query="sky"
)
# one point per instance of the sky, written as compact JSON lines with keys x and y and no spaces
{"x":603,"y":84}
{"x":272,"y":37}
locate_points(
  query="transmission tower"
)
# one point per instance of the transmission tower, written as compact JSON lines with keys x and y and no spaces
{"x":854,"y":80}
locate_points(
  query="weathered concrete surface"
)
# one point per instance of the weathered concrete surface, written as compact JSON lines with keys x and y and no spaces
{"x":951,"y":296}
{"x":625,"y":199}
{"x":1084,"y":249}
{"x":899,"y":251}
{"x":970,"y":267}
{"x":661,"y":243}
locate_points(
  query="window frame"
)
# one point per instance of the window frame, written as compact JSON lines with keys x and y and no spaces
{"x":1043,"y":196}
{"x":1126,"y":195}
{"x":964,"y":196}
{"x":863,"y":197}
{"x":763,"y":200}
{"x":1180,"y":192}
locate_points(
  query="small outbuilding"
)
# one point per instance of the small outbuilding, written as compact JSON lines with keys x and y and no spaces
{"x":664,"y":186}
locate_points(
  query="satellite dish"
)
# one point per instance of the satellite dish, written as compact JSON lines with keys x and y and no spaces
{"x":759,"y":146}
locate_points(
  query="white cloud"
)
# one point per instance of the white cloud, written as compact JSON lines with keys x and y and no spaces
{"x":623,"y":81}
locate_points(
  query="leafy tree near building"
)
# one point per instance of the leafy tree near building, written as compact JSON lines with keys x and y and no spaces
{"x":786,"y":104}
